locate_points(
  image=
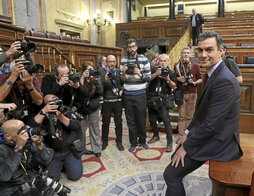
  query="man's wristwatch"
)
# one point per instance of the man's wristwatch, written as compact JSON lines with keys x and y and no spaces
{"x":9,"y":82}
{"x":41,"y":113}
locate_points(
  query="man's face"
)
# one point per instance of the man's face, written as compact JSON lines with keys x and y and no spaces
{"x":62,"y":71}
{"x":193,"y":11}
{"x":104,"y":61}
{"x":163,"y":61}
{"x":111,"y":61}
{"x":132,"y":48}
{"x":208,"y":52}
{"x":185,"y":55}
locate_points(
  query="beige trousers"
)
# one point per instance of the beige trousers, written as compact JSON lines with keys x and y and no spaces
{"x":186,"y":111}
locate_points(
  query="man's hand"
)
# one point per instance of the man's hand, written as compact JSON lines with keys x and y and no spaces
{"x":17,"y":69}
{"x":137,"y":71}
{"x":181,"y":79}
{"x":50,"y":108}
{"x":21,"y":140}
{"x":26,"y":78}
{"x":179,"y":156}
{"x":63,"y":80}
{"x":124,"y":68}
{"x":106,"y":77}
{"x":14,"y":49}
{"x":158,"y":72}
{"x":38,"y":141}
{"x":9,"y":106}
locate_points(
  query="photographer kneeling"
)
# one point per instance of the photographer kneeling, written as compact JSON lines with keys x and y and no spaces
{"x":61,"y":134}
{"x":19,"y":154}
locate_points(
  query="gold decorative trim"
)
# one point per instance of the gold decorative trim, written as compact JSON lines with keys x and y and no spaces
{"x":74,"y":18}
{"x":13,"y":7}
{"x":67,"y":23}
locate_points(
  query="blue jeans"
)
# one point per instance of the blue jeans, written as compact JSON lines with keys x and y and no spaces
{"x":72,"y":166}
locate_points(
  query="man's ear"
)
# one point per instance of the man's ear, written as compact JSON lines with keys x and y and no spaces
{"x":7,"y":137}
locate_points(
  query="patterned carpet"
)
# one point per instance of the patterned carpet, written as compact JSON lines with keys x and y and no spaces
{"x":132,"y":174}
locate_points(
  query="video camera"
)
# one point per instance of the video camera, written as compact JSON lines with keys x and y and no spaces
{"x":75,"y":76}
{"x":130,"y":70}
{"x":37,"y":68}
{"x":94,"y":73}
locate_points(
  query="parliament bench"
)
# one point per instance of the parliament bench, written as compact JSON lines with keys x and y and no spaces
{"x":233,"y":178}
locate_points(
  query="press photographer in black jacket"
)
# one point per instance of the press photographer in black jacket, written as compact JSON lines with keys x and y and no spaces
{"x":19,"y":154}
{"x":87,"y":99}
{"x":63,"y":135}
{"x":112,"y":101}
{"x":163,"y":80}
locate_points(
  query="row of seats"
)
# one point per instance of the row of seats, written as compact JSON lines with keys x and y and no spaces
{"x":52,"y":35}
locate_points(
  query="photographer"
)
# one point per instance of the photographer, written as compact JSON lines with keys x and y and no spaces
{"x":6,"y":106}
{"x":112,"y":102}
{"x":58,"y":84}
{"x":87,"y":100}
{"x":188,"y":78}
{"x":136,"y":73}
{"x":21,"y":88}
{"x":18,"y":156}
{"x":61,"y":133}
{"x":163,"y":80}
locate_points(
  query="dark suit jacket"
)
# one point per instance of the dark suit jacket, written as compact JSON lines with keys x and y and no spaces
{"x":214,"y":128}
{"x":199,"y":19}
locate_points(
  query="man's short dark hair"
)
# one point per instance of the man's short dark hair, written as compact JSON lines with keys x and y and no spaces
{"x":210,"y":34}
{"x":56,"y":68}
{"x":130,"y":40}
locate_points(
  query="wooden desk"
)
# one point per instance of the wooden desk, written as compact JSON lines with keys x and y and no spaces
{"x":234,"y":178}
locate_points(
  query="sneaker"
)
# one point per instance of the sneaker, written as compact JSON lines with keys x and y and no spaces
{"x":132,"y":148}
{"x":153,"y":139}
{"x":144,"y":145}
{"x":120,"y":146}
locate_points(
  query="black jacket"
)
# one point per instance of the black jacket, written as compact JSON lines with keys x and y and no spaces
{"x":199,"y":19}
{"x":49,"y":85}
{"x":87,"y":97}
{"x":12,"y":173}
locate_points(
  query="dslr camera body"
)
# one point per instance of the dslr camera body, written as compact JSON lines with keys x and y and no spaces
{"x":94,"y":73}
{"x":26,"y":45}
{"x":37,"y":68}
{"x":189,"y":80}
{"x":164,"y":71}
{"x":75,"y":76}
{"x":131,"y":67}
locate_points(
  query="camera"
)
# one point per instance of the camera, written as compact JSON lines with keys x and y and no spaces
{"x":112,"y":76}
{"x":37,"y":68}
{"x":94,"y":73}
{"x":130,"y":70}
{"x":13,"y":114}
{"x":27,"y":46}
{"x":189,"y":81}
{"x":47,"y":186}
{"x":75,"y":76}
{"x":164,"y":72}
{"x":58,"y":102}
{"x":30,"y":131}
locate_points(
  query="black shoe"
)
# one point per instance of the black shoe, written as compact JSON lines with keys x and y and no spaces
{"x":120,"y":146}
{"x":144,"y":145}
{"x":87,"y":152}
{"x":132,"y":148}
{"x":104,"y":146}
{"x":97,"y":154}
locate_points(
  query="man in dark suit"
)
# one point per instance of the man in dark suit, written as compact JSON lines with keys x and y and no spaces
{"x":197,"y":21}
{"x":213,"y":132}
